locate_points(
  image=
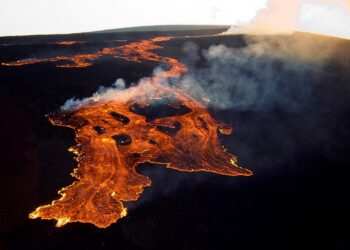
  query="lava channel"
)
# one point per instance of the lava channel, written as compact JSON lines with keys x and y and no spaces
{"x":167,"y":126}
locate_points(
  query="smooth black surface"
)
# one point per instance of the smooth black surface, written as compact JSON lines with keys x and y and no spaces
{"x":298,"y":197}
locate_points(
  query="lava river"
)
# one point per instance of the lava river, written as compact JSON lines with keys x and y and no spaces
{"x":150,"y":122}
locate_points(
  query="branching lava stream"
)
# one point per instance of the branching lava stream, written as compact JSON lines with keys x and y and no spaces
{"x":150,"y":122}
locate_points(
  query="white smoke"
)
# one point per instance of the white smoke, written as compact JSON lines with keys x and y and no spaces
{"x":268,"y":72}
{"x":327,"y":17}
{"x":119,"y":84}
{"x":101,"y":95}
{"x":118,"y":91}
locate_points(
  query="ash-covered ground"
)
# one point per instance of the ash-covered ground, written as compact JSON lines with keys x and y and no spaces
{"x":286,"y":97}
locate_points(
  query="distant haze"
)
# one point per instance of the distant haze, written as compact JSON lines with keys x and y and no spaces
{"x":26,"y":17}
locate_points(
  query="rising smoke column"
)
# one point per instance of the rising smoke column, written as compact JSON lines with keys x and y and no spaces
{"x":327,"y":17}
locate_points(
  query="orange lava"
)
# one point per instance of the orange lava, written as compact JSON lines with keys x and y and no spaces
{"x":69,"y":42}
{"x":135,"y":52}
{"x":114,"y":136}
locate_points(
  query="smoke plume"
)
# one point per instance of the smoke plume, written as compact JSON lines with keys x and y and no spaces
{"x":269,"y":72}
{"x":327,"y":17}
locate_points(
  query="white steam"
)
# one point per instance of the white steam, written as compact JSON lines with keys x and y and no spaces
{"x":103,"y":94}
{"x":267,"y":72}
{"x":327,"y":17}
{"x":118,"y":91}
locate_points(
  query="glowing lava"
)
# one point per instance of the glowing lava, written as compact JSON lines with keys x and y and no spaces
{"x":135,"y":52}
{"x":150,"y":122}
{"x":69,"y":42}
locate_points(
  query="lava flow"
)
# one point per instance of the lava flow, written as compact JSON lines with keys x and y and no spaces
{"x":149,"y":122}
{"x":135,"y":52}
{"x":69,"y":42}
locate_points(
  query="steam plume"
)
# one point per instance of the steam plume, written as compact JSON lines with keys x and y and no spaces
{"x":269,"y":72}
{"x":327,"y":17}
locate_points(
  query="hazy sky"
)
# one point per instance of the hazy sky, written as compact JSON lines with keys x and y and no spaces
{"x":24,"y":17}
{"x":21,"y":17}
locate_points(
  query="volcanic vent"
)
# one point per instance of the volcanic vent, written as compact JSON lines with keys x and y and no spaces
{"x":150,"y":122}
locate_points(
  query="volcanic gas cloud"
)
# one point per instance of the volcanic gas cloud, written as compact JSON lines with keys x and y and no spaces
{"x":150,"y":122}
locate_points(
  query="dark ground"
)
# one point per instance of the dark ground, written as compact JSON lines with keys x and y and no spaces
{"x":297,"y":198}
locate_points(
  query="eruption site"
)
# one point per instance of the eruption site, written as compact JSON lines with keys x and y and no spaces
{"x":151,"y":122}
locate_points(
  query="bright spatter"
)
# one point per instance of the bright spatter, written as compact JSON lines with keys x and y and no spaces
{"x":150,"y":122}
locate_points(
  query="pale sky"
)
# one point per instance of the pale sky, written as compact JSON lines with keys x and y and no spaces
{"x":28,"y":17}
{"x":25,"y":17}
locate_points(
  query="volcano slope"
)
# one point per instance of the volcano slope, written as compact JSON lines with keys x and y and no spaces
{"x":290,"y":129}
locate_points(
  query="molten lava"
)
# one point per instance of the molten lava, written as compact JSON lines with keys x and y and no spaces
{"x":150,"y":122}
{"x":135,"y":52}
{"x":69,"y":42}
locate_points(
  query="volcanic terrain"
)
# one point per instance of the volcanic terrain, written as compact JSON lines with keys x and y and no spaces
{"x":286,"y":97}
